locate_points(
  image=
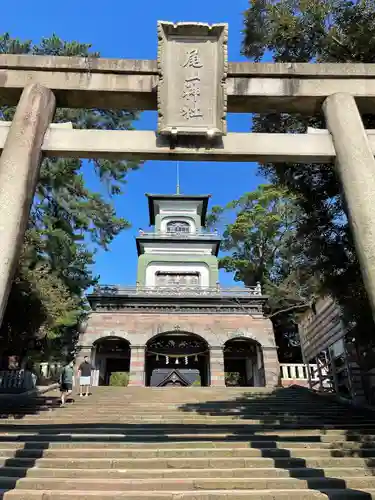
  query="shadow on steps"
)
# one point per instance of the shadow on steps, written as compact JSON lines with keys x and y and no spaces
{"x":242,"y":408}
{"x":44,"y":435}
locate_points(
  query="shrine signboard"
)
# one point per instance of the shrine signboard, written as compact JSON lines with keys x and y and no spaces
{"x":192,"y":63}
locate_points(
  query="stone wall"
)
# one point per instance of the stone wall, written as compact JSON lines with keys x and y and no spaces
{"x":214,"y":328}
{"x":139,"y":328}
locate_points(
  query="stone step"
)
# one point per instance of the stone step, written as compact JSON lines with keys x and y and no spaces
{"x":287,"y":423}
{"x":161,"y":400}
{"x":70,"y":412}
{"x":185,"y":452}
{"x":76,"y":409}
{"x":202,"y":406}
{"x":101,"y":444}
{"x":245,"y":400}
{"x":187,"y":463}
{"x":265,"y":421}
{"x":18,"y":472}
{"x":105,"y":391}
{"x":164,"y":424}
{"x":337,"y":494}
{"x":200,"y":484}
{"x":183,"y":440}
{"x":191,"y":400}
{"x":197,"y":389}
{"x":188,"y":432}
{"x":192,"y":405}
{"x":186,"y":399}
{"x":100,"y":440}
{"x":186,"y":416}
{"x":116,"y":453}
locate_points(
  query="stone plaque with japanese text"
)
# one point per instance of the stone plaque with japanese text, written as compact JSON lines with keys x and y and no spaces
{"x":192,"y":61}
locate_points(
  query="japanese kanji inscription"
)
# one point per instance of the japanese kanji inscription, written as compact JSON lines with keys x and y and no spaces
{"x":192,"y":60}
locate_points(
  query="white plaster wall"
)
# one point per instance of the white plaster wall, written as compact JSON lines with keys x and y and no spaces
{"x":198,"y":267}
{"x":174,"y":207}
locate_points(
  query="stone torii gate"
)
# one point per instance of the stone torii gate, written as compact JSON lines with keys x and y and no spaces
{"x":192,"y":86}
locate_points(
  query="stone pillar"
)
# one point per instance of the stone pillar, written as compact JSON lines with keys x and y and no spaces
{"x":249,"y":367}
{"x":19,"y":169}
{"x":271,"y":367}
{"x":355,"y":165}
{"x":259,"y":369}
{"x":217,"y":367}
{"x":137,"y":366}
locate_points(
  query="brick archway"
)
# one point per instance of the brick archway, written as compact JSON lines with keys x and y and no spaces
{"x":184,"y":352}
{"x":110,"y":354}
{"x":243,"y":362}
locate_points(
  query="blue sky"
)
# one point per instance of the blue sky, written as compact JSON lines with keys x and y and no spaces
{"x":127,"y":29}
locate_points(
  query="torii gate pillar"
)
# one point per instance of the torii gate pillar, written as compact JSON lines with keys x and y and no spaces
{"x":19,"y":172}
{"x":355,"y":165}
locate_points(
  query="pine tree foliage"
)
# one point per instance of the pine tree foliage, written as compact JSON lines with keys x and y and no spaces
{"x":262,"y":246}
{"x":68,"y":222}
{"x":317,"y":31}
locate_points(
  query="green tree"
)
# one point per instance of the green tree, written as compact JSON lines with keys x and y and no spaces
{"x":317,"y":31}
{"x":68,"y":223}
{"x":262,"y":246}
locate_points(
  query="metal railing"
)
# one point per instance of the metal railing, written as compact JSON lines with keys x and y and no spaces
{"x":298,"y":371}
{"x":180,"y":290}
{"x":214,"y":235}
{"x":16,"y":381}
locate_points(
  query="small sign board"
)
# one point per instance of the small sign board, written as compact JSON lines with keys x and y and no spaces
{"x":192,"y":63}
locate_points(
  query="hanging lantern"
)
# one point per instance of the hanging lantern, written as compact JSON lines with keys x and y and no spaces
{"x":177,"y":362}
{"x":186,"y":360}
{"x":196,"y":358}
{"x":167,"y":360}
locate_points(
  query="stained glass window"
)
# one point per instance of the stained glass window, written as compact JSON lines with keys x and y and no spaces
{"x":178,"y":227}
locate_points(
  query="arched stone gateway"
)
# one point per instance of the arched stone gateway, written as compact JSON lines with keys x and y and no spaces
{"x":177,"y":359}
{"x":243,"y":363}
{"x":109,"y":355}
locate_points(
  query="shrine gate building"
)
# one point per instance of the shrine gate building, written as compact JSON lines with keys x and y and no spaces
{"x":178,"y":326}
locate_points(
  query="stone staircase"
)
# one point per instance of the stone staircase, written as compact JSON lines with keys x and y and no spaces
{"x":187,"y":444}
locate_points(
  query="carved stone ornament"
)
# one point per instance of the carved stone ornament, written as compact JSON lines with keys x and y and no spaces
{"x":192,"y":65}
{"x":177,"y":344}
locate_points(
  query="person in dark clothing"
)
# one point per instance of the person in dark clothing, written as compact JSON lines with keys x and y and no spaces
{"x":84,"y":374}
{"x":66,"y":382}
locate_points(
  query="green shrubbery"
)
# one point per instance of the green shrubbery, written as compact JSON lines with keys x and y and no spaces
{"x":119,"y":379}
{"x":232,"y":378}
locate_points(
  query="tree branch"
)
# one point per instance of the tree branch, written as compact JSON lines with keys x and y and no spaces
{"x":298,"y":306}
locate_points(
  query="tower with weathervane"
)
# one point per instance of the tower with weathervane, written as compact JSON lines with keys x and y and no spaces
{"x":179,"y":254}
{"x":177,"y":326}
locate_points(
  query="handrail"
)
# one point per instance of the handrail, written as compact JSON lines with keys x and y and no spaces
{"x":218,"y":291}
{"x":179,"y":234}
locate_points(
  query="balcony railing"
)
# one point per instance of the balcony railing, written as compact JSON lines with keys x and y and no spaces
{"x":298,"y":371}
{"x":301,"y":374}
{"x":179,"y":290}
{"x":16,"y":381}
{"x":213,"y":235}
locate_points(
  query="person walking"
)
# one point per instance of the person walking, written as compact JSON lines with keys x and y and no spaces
{"x":66,"y":382}
{"x":84,"y":375}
